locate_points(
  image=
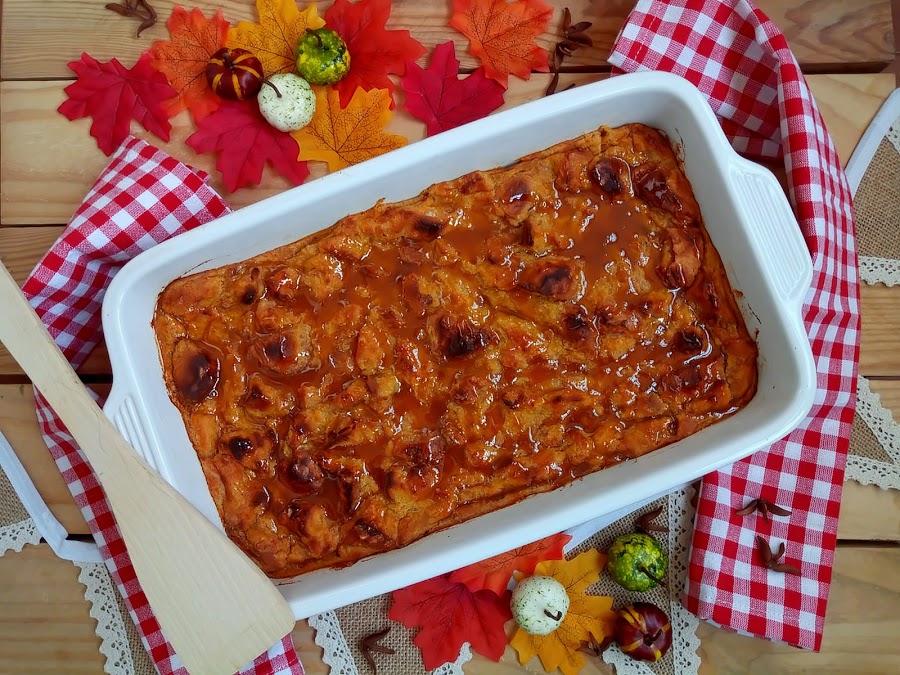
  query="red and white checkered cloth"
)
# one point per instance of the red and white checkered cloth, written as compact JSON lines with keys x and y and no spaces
{"x":143,"y":197}
{"x":737,"y":57}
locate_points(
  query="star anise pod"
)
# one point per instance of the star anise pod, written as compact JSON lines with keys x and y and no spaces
{"x":645,"y":522}
{"x":594,"y":648}
{"x":765,"y":507}
{"x":138,"y":8}
{"x":369,"y":645}
{"x":771,"y":560}
{"x":574,"y":38}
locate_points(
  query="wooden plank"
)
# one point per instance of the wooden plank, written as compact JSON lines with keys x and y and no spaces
{"x":45,"y":626}
{"x":889,"y":393}
{"x":837,"y":32}
{"x":861,"y":626}
{"x":848,"y":103}
{"x":42,"y":624}
{"x":44,"y":620}
{"x":49,"y":163}
{"x":819,"y":31}
{"x":868,"y":512}
{"x":18,"y":424}
{"x":880,"y":340}
{"x":309,"y":652}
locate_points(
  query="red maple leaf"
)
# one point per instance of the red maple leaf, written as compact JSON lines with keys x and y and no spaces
{"x":494,"y":573}
{"x":374,"y":52}
{"x":113,"y":96}
{"x":183,"y":59}
{"x":449,"y":615}
{"x":437,"y":96}
{"x":245,"y":141}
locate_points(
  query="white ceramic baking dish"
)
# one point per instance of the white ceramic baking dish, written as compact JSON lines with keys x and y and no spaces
{"x":745,"y":211}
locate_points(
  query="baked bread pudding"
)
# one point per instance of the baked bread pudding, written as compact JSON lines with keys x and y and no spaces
{"x":427,"y":361}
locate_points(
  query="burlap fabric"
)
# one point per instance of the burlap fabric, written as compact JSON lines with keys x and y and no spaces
{"x":875,"y":441}
{"x":16,"y":527}
{"x":877,"y":206}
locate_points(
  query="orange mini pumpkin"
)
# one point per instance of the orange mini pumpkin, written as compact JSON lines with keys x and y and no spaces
{"x":234,"y":74}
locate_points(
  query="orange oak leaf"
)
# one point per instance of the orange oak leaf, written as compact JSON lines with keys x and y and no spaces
{"x":590,"y":617}
{"x":345,"y":136}
{"x":501,"y":35}
{"x":274,"y":39}
{"x":183,"y":59}
{"x":375,"y":52}
{"x":494,"y":573}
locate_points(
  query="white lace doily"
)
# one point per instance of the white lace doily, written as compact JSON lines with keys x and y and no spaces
{"x":685,"y":643}
{"x":15,"y":536}
{"x":879,"y":270}
{"x":100,"y":592}
{"x":878,"y":419}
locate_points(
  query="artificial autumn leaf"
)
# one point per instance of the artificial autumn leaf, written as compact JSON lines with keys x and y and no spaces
{"x":274,"y":39}
{"x":437,"y":96}
{"x":449,"y":614}
{"x":590,"y":617}
{"x":345,"y":136}
{"x":245,"y":141}
{"x":113,"y":96}
{"x":501,"y":35}
{"x":494,"y":573}
{"x":374,"y":52}
{"x":183,"y":59}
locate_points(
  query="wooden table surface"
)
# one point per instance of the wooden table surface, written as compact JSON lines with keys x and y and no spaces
{"x":48,"y":164}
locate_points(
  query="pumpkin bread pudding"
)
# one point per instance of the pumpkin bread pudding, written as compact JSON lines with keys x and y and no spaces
{"x":424,"y":362}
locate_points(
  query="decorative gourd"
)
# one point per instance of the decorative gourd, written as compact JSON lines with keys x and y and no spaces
{"x":637,"y":562}
{"x":235,"y":74}
{"x":287,"y":102}
{"x":539,"y":604}
{"x":322,"y":56}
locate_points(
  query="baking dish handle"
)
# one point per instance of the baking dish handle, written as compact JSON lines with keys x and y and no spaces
{"x":775,"y":231}
{"x":126,"y":413}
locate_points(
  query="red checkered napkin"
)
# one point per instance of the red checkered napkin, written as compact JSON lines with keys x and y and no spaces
{"x":143,"y":197}
{"x":741,"y":62}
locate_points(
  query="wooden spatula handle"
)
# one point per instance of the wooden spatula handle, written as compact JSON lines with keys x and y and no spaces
{"x":214,"y":605}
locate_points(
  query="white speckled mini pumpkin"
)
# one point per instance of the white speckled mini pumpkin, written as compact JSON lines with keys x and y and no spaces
{"x":539,"y":604}
{"x":288,"y":103}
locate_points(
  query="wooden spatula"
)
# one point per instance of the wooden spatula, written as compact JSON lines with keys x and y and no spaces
{"x":215,"y":606}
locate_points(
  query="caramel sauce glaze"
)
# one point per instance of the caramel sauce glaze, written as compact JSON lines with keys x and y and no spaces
{"x":424,"y":362}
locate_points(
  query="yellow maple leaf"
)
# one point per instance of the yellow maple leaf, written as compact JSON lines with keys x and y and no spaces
{"x":274,"y":39}
{"x":590,"y":617}
{"x":345,"y":136}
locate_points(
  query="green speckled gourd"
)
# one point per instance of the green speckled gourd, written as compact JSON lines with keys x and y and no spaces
{"x":637,"y":562}
{"x":322,"y":56}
